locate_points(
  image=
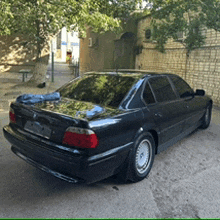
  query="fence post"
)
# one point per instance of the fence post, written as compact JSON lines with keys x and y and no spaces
{"x":52,"y":77}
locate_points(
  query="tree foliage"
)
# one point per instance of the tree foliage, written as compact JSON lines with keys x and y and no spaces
{"x":40,"y":19}
{"x":5,"y":15}
{"x":170,"y":17}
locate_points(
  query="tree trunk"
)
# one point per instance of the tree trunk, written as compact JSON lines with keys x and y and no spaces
{"x":40,"y":70}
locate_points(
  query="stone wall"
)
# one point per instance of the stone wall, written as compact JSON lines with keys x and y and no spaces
{"x":201,"y":69}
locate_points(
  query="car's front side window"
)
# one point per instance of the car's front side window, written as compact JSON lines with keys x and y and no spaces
{"x":182,"y":87}
{"x":162,"y":89}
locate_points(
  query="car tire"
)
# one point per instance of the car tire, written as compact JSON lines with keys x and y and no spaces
{"x":142,"y":157}
{"x":207,"y":117}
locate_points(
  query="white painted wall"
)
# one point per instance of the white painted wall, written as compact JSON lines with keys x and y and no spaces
{"x":63,"y":44}
{"x":69,"y":42}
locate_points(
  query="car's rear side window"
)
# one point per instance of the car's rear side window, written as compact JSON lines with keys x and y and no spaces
{"x":104,"y":89}
{"x":148,"y":95}
{"x":162,"y":89}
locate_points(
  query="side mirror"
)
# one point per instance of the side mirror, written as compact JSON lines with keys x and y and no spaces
{"x":200,"y":92}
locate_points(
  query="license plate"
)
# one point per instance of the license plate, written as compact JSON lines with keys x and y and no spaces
{"x":37,"y":128}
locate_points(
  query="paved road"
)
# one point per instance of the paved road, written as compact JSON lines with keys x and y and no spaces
{"x":184,"y":182}
{"x":62,"y":74}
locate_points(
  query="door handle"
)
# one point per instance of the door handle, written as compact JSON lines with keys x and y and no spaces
{"x":158,"y":115}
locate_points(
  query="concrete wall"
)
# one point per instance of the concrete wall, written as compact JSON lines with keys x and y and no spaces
{"x":16,"y":53}
{"x":100,"y":52}
{"x":97,"y":51}
{"x":201,"y":69}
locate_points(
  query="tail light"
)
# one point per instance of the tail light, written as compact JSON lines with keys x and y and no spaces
{"x":80,"y":137}
{"x":12,"y":116}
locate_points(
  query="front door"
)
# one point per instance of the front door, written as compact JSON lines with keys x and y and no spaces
{"x":167,"y":110}
{"x":191,"y":104}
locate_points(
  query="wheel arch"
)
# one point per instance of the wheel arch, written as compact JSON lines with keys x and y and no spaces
{"x":125,"y":170}
{"x":153,"y":132}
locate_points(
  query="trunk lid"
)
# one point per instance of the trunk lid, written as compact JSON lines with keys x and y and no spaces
{"x":51,"y":119}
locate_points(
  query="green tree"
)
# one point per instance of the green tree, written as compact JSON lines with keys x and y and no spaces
{"x":5,"y":15}
{"x":41,"y":19}
{"x":170,"y":17}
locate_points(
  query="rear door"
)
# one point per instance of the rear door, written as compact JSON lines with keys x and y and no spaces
{"x":163,"y":105}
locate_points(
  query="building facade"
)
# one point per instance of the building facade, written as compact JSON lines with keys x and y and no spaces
{"x":17,"y":53}
{"x":64,"y":44}
{"x":134,"y":49}
{"x":101,"y":52}
{"x":201,"y":69}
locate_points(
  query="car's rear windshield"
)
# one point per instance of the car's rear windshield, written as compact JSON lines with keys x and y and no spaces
{"x":102,"y":89}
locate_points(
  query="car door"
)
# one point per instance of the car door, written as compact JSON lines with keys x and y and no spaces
{"x":194,"y":105}
{"x":163,"y":105}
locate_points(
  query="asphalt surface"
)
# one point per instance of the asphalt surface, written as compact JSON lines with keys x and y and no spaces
{"x":183,"y":183}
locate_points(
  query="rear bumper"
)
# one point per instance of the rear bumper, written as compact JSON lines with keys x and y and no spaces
{"x":66,"y":164}
{"x":42,"y":167}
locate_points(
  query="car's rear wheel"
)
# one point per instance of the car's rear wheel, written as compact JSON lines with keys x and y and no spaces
{"x":142,"y":157}
{"x":207,"y":117}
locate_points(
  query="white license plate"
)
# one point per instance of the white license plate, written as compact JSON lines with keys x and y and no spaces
{"x":38,"y":129}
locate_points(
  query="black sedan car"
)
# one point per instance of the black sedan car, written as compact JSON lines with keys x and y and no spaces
{"x":103,"y":124}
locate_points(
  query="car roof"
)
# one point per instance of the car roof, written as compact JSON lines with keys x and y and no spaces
{"x":130,"y":72}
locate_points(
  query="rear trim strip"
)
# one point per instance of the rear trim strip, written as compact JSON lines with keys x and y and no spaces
{"x":110,"y":152}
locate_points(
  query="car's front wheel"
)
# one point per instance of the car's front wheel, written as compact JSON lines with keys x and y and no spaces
{"x":142,"y":157}
{"x":207,"y":117}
